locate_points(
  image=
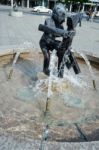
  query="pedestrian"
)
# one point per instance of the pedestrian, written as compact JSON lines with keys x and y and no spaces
{"x":89,"y":14}
{"x":80,"y":18}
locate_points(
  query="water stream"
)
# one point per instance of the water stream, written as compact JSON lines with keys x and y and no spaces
{"x":89,"y":67}
{"x":73,"y":79}
{"x":52,"y":69}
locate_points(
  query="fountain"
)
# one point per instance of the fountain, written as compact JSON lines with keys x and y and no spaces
{"x":73,"y":109}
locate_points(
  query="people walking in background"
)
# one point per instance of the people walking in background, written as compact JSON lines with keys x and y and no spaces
{"x":89,"y":14}
{"x":93,"y":15}
{"x":80,"y":18}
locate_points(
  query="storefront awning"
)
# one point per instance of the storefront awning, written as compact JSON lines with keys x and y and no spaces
{"x":96,"y":1}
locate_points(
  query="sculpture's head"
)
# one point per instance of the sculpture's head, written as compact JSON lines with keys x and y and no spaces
{"x":59,"y":13}
{"x":72,"y":21}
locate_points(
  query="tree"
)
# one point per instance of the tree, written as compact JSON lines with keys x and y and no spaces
{"x":75,"y":1}
{"x":77,"y":5}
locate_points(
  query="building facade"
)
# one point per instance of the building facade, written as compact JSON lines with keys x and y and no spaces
{"x":47,"y":3}
{"x":30,"y":3}
{"x":50,"y":4}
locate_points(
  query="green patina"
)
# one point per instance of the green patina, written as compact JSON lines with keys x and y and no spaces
{"x":72,"y":101}
{"x":25,"y":94}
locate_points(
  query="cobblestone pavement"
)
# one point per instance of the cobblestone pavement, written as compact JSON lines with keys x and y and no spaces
{"x":14,"y":31}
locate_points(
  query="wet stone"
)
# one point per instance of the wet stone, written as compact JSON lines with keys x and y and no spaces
{"x":72,"y":101}
{"x":23,"y":103}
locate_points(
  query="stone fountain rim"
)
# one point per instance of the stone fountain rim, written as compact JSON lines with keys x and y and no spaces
{"x":91,"y":56}
{"x":6,"y":52}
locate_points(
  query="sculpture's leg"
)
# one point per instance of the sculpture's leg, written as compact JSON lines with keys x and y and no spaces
{"x":46,"y":61}
{"x":74,"y":63}
{"x":46,"y":55}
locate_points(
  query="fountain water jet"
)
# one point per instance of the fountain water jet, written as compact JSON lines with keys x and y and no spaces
{"x":20,"y":49}
{"x":89,"y":67}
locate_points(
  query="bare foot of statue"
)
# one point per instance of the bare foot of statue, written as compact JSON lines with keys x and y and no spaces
{"x":46,"y":71}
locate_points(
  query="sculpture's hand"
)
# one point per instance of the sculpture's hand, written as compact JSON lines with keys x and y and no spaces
{"x":71,"y":33}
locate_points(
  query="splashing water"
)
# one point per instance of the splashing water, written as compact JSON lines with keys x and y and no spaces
{"x":39,"y":87}
{"x":89,"y":67}
{"x":75,"y":80}
{"x":20,"y":48}
{"x":52,"y":68}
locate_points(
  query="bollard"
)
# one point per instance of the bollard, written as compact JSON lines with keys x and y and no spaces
{"x":94,"y":84}
{"x":47,"y":106}
{"x":10,"y":74}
